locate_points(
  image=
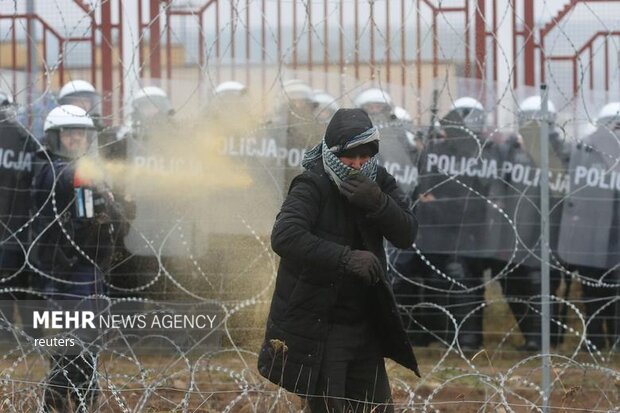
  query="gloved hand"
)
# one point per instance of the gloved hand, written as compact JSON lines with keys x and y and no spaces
{"x":363,"y":192}
{"x":363,"y":264}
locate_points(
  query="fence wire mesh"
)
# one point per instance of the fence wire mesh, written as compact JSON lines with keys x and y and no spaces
{"x":202,"y":113}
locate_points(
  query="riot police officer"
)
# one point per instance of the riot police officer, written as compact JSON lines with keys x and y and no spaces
{"x":326,"y":106}
{"x":151,"y":110}
{"x":111,"y":146}
{"x":399,"y":155}
{"x":84,"y":95}
{"x":222,"y":113}
{"x":398,"y":150}
{"x":298,"y":96}
{"x":590,"y":231}
{"x":296,"y":114}
{"x":73,"y":246}
{"x":17,"y":149}
{"x":519,"y":242}
{"x":151,"y":124}
{"x":226,"y":95}
{"x":377,"y":103}
{"x":456,"y":174}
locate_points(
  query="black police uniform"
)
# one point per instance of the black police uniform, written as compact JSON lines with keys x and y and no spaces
{"x":73,"y":251}
{"x":589,"y":239}
{"x":518,"y":243}
{"x":458,"y":172}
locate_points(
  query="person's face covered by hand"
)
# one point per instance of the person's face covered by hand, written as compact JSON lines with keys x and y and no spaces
{"x":356,"y":157}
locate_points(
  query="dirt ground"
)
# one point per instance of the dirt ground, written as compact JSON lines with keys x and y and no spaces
{"x":499,"y":379}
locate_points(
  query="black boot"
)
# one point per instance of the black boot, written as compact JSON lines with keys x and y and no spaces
{"x":531,"y":323}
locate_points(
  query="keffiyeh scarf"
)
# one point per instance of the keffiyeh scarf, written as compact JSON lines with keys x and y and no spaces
{"x":336,"y":170}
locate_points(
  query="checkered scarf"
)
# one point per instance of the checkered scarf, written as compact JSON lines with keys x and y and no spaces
{"x":334,"y":167}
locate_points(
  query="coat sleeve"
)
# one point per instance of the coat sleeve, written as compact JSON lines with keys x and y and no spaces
{"x":292,"y":236}
{"x":396,"y":220}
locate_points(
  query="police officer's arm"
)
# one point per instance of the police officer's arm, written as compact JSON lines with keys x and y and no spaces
{"x":395,"y":219}
{"x":292,"y":235}
{"x":52,"y":210}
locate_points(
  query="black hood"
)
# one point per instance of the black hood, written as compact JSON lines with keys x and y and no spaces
{"x":347,"y":124}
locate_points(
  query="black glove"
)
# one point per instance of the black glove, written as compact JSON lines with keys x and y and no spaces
{"x":364,"y":264}
{"x":363,"y":192}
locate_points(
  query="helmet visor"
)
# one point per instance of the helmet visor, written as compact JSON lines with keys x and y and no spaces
{"x":151,"y":106}
{"x":89,"y":101}
{"x":77,"y":142}
{"x":375,"y":108}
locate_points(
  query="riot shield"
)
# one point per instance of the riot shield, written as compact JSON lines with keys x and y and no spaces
{"x":262,"y":154}
{"x":17,"y":166}
{"x":517,"y":193}
{"x":193,"y":185}
{"x":456,"y":174}
{"x":303,"y":132}
{"x":162,"y":225}
{"x":589,"y":231}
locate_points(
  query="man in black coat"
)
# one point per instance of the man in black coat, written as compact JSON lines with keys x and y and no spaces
{"x":333,"y":316}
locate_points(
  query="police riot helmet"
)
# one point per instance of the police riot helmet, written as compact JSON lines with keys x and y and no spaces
{"x":70,"y":132}
{"x":296,"y":89}
{"x":471,"y":112}
{"x":229,"y":99}
{"x":230,"y":88}
{"x":375,"y":102}
{"x":227,"y":95}
{"x":326,"y":105}
{"x":609,"y":116}
{"x":529,"y":110}
{"x":298,"y":96}
{"x":83,"y":94}
{"x":151,"y":102}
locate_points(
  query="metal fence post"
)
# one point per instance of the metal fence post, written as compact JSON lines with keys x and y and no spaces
{"x":32,"y":59}
{"x":544,"y":249}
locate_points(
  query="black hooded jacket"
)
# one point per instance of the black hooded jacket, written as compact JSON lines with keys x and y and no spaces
{"x":314,"y":229}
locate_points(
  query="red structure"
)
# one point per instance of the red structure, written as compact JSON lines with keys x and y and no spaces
{"x":393,"y":41}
